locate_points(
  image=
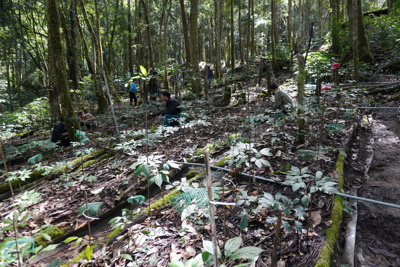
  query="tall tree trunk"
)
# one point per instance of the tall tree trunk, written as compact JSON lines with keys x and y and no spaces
{"x":85,"y":49}
{"x":149,"y":43}
{"x":290,"y":29}
{"x":218,"y":36}
{"x":130,"y":39}
{"x":300,"y":96}
{"x":58,"y":63}
{"x":232,"y":38}
{"x":97,"y":61}
{"x":252,"y":30}
{"x":74,"y":71}
{"x":240,"y":34}
{"x":364,"y":53}
{"x":273,"y":29}
{"x":354,"y":42}
{"x":299,"y":41}
{"x":112,"y":37}
{"x":185,"y":31}
{"x":334,"y":6}
{"x":194,"y":47}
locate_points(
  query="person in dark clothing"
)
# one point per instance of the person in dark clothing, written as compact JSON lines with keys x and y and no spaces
{"x":132,"y":92}
{"x":210,"y":75}
{"x":153,"y":86}
{"x":172,"y":110}
{"x":60,"y":134}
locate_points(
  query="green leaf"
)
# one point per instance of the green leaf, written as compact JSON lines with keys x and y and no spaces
{"x":88,"y":253}
{"x":266,"y":152}
{"x":127,"y":257}
{"x":70,"y":239}
{"x":158,"y":180}
{"x":258,"y":163}
{"x":232,"y":245}
{"x":50,"y":247}
{"x":246,"y":253}
{"x":244,"y":222}
{"x":176,"y":264}
{"x":305,"y":201}
{"x":7,"y":228}
{"x":45,"y":236}
{"x":173,"y":165}
{"x":143,"y":70}
{"x":78,"y":241}
{"x":205,"y":256}
{"x":286,"y":225}
{"x":153,"y":259}
{"x":7,"y":221}
{"x":299,"y":226}
{"x":16,"y":215}
{"x":136,"y":200}
{"x":208,"y":246}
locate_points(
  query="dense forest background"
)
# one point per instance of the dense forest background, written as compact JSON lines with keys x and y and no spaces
{"x":56,"y":49}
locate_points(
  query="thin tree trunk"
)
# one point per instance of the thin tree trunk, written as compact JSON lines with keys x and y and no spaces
{"x":218,"y":37}
{"x":194,"y":47}
{"x":130,"y":39}
{"x":74,"y":71}
{"x":149,"y":43}
{"x":300,"y":111}
{"x":273,"y":29}
{"x":232,"y":38}
{"x":185,"y":31}
{"x":354,"y":29}
{"x":240,"y":34}
{"x":334,"y":6}
{"x":290,"y":41}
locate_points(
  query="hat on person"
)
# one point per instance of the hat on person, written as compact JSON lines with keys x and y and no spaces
{"x":335,"y":66}
{"x":80,"y":113}
{"x":273,"y":86}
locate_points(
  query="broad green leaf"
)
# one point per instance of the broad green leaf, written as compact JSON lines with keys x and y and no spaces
{"x":45,"y":236}
{"x":265,"y":162}
{"x":300,"y":211}
{"x":205,"y":256}
{"x":246,"y":253}
{"x":127,"y":257}
{"x":50,"y":247}
{"x":208,"y":246}
{"x":258,"y":163}
{"x":299,"y":226}
{"x":173,"y":165}
{"x":305,"y":201}
{"x":143,"y":70}
{"x":88,"y":253}
{"x":286,"y":225}
{"x":244,"y":222}
{"x":158,"y":180}
{"x":153,"y":259}
{"x":266,"y":152}
{"x":232,"y":245}
{"x":70,"y":239}
{"x":16,"y":215}
{"x":78,"y":241}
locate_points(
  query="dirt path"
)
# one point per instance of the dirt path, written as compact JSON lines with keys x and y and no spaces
{"x":378,"y":227}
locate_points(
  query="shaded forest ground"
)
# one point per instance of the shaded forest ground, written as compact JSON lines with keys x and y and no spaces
{"x":165,"y":235}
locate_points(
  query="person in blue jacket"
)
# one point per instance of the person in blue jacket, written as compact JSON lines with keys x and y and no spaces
{"x":171,"y":111}
{"x":132,"y":92}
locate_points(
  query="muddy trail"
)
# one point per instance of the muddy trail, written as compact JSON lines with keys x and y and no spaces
{"x":373,"y":172}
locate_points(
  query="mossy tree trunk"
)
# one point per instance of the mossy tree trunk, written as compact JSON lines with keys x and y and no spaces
{"x":227,"y":94}
{"x":58,"y":63}
{"x":301,"y":123}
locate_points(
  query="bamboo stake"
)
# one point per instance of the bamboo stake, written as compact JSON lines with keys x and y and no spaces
{"x":212,"y":215}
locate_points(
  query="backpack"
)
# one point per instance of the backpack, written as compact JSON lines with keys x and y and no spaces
{"x":153,"y":85}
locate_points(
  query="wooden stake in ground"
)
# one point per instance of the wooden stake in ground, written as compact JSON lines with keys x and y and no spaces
{"x":276,"y":239}
{"x":212,"y":215}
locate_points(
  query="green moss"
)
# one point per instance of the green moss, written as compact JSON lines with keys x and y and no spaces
{"x":57,"y":232}
{"x":91,"y":162}
{"x":210,"y":147}
{"x":332,"y":233}
{"x":191,"y":174}
{"x":113,"y":233}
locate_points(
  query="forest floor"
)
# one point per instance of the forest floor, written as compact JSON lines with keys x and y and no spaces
{"x":169,"y":234}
